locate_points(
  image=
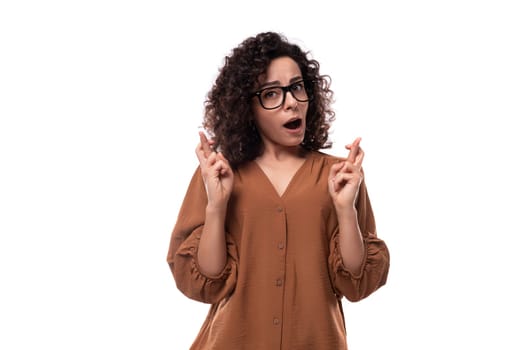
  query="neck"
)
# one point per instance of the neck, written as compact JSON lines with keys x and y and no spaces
{"x":282,"y":153}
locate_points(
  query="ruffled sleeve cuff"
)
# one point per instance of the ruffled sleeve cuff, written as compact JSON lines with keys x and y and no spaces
{"x":373,"y":272}
{"x":197,"y":285}
{"x":189,"y":249}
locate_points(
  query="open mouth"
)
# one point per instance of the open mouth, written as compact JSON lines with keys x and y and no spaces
{"x":293,"y":124}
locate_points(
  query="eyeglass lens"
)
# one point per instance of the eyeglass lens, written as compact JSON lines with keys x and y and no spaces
{"x":274,"y":97}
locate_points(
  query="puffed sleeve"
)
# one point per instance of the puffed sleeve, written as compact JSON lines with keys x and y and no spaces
{"x":184,"y":244}
{"x":376,"y":262}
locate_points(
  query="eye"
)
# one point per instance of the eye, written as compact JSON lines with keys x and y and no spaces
{"x":270,"y":94}
{"x":299,"y":86}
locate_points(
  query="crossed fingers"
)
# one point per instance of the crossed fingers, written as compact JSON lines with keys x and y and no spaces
{"x":210,"y":161}
{"x":348,"y":171}
{"x":355,"y":154}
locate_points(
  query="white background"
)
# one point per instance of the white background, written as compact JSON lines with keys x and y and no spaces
{"x":100,"y":104}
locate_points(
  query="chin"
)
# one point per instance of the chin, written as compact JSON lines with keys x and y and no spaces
{"x":296,"y":142}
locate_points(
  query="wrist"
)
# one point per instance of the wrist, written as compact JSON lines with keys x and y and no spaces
{"x":344,"y":206}
{"x":216,"y":209}
{"x":346,"y":211}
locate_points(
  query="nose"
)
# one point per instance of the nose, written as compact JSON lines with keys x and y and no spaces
{"x":289,"y":100}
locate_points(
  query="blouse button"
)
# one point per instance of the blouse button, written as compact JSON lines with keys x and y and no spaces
{"x":280,"y":245}
{"x":276,"y":321}
{"x":279,"y":282}
{"x":279,"y":209}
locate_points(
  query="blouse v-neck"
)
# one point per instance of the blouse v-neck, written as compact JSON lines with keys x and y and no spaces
{"x":290,"y":183}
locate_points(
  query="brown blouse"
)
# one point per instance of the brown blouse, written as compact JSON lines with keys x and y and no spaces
{"x":284,"y":279}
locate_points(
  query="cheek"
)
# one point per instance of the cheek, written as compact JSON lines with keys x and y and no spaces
{"x":304,"y":109}
{"x":263,"y":116}
{"x":265,"y":123}
{"x":257,"y":112}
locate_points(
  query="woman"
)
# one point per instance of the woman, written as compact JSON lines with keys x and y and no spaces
{"x":272,"y":232}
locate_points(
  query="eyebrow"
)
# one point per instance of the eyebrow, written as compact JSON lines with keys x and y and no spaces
{"x":276,"y":82}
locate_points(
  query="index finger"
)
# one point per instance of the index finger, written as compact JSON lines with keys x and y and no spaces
{"x":205,"y":144}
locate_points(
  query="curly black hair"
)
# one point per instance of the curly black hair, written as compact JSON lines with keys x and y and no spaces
{"x":228,"y":115}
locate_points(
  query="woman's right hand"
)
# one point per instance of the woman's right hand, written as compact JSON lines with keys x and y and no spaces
{"x":216,"y":173}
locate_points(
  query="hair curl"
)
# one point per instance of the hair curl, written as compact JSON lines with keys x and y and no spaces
{"x":228,"y":115}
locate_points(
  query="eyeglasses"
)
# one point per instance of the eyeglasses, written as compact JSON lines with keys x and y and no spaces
{"x":273,"y":97}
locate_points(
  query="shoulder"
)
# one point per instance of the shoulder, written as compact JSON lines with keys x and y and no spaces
{"x":320,"y":162}
{"x":323,"y":158}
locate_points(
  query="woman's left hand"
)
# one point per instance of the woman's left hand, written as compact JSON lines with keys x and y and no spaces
{"x":345,"y":177}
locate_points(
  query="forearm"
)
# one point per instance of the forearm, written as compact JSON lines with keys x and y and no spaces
{"x":212,"y":254}
{"x":350,"y":240}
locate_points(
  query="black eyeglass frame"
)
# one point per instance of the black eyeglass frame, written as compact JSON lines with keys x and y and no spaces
{"x":308,"y":86}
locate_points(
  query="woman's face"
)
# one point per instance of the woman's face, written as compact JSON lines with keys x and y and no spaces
{"x":285,"y":125}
